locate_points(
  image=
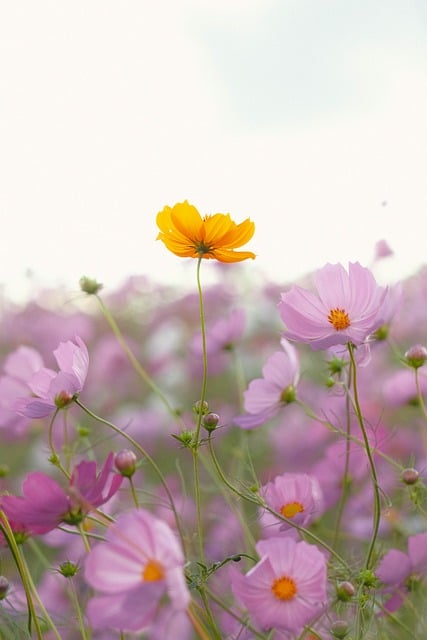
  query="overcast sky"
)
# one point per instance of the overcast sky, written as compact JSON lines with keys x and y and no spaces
{"x":307,"y":116}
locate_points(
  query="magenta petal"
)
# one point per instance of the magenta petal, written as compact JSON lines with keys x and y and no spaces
{"x":394,"y":567}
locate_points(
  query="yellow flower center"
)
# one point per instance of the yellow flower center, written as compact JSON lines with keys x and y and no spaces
{"x":291,"y":509}
{"x":339,"y":319}
{"x":153,"y":571}
{"x":284,"y":588}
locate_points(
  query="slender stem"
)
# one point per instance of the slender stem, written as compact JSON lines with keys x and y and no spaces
{"x":197,"y":626}
{"x":143,"y":374}
{"x":256,"y":500}
{"x":377,"y":502}
{"x":38,"y":599}
{"x":23,"y":572}
{"x":55,"y":456}
{"x":345,"y":487}
{"x":195,"y":449}
{"x":145,"y":455}
{"x":133,"y":492}
{"x":75,"y":599}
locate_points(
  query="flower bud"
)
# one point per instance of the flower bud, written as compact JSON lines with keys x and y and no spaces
{"x":201,"y":407}
{"x":339,"y":629}
{"x":210,"y":421}
{"x":4,"y":587}
{"x":89,"y":285}
{"x":125,"y":462}
{"x":68,"y":569}
{"x":345,"y":591}
{"x":416,"y":356}
{"x":410,"y":476}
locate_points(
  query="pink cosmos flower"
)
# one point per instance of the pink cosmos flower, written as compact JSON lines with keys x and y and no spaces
{"x":56,"y":389}
{"x":139,"y":564}
{"x":45,"y":504}
{"x":286,"y":589}
{"x":265,"y":396}
{"x":19,"y":367}
{"x":297,"y":496}
{"x":399,"y":571}
{"x":348,"y":307}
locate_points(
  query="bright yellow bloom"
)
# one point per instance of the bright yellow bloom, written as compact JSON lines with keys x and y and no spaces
{"x":188,"y":235}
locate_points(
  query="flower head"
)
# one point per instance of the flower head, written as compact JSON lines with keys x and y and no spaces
{"x":56,"y":390}
{"x":140,"y":562}
{"x":45,"y":503}
{"x":188,"y":235}
{"x":265,"y":396}
{"x":348,"y":307}
{"x":286,"y":588}
{"x":296,"y":496}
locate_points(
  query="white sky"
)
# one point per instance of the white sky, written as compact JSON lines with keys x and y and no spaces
{"x":308,"y":116}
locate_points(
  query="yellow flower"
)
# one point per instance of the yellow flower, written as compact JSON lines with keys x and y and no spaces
{"x":188,"y":235}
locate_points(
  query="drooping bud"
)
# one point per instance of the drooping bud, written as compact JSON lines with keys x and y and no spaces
{"x":416,"y":356}
{"x":125,"y":462}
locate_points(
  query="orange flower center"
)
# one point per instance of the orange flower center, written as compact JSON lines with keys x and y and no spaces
{"x":339,"y":319}
{"x":284,"y":588}
{"x":291,"y":509}
{"x":153,"y":571}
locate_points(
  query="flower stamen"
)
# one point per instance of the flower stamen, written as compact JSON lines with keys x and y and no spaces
{"x":339,"y":319}
{"x":290,"y":509}
{"x":284,"y":588}
{"x":153,"y":571}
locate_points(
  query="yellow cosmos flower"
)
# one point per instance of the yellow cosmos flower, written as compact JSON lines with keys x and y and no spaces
{"x":188,"y":235}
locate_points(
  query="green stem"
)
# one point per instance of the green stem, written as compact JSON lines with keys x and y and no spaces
{"x":143,"y":374}
{"x":195,"y":449}
{"x":23,"y":572}
{"x":75,"y":600}
{"x":256,"y":500}
{"x":145,"y":455}
{"x":345,"y":487}
{"x":377,"y":503}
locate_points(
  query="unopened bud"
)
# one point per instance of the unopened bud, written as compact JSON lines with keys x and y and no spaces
{"x":125,"y":462}
{"x":410,"y":476}
{"x":210,"y":421}
{"x":201,"y":407}
{"x":416,"y":356}
{"x":345,"y":591}
{"x":4,"y":587}
{"x":339,"y":629}
{"x":89,"y":285}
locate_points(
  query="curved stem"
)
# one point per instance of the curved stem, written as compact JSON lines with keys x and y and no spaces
{"x":377,"y":503}
{"x":23,"y":572}
{"x":145,"y":455}
{"x":143,"y":374}
{"x":256,"y":500}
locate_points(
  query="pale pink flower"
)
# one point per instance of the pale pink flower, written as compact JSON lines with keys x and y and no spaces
{"x":398,"y":569}
{"x":348,"y":307}
{"x":296,"y":496}
{"x":53,"y":390}
{"x":265,"y":396}
{"x":140,"y":562}
{"x":286,"y":589}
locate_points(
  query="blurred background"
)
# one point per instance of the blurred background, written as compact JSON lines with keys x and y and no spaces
{"x":308,"y":117}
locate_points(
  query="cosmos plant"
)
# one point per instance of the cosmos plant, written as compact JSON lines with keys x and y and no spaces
{"x":242,"y":462}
